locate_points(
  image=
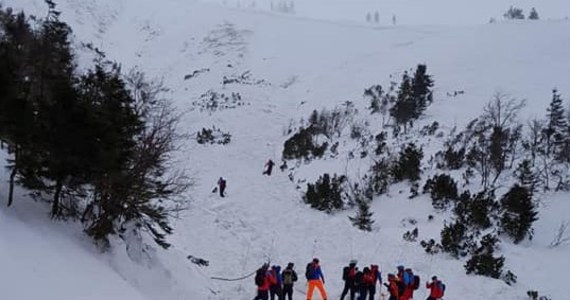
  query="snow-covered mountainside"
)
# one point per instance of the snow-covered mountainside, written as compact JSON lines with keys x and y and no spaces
{"x":275,"y":70}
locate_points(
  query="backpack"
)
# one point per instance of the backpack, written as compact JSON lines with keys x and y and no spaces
{"x":416,"y":282}
{"x":259,"y":278}
{"x":442,"y":287}
{"x":288,"y":277}
{"x":374,"y":272}
{"x":358,"y":278}
{"x":310,"y":270}
{"x":348,"y":273}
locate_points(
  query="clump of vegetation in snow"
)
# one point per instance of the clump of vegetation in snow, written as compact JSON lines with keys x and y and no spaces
{"x":213,"y":136}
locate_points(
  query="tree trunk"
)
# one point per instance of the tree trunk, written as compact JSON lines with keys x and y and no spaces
{"x":11,"y":190}
{"x":56,"y":196}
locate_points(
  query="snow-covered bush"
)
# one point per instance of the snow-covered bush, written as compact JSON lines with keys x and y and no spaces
{"x":483,"y":262}
{"x":518,"y":213}
{"x":455,"y":240}
{"x":533,"y":15}
{"x":443,"y":189}
{"x":411,"y":235}
{"x":431,"y":247}
{"x":514,"y":13}
{"x":476,"y":211}
{"x":303,"y":145}
{"x":407,"y":167}
{"x":363,"y":218}
{"x":326,"y":194}
{"x":213,"y":136}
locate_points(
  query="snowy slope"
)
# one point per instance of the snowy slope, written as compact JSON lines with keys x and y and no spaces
{"x":309,"y":63}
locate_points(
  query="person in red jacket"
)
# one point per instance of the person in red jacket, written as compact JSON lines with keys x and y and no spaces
{"x":265,"y":281}
{"x":436,"y":288}
{"x":393,"y":288}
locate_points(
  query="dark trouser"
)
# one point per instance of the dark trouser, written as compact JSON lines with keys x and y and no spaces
{"x":288,"y":291}
{"x":348,"y":286}
{"x":372,"y":291}
{"x":363,"y":292}
{"x":431,"y":298}
{"x":262,"y":295}
{"x":276,"y":291}
{"x":222,"y":191}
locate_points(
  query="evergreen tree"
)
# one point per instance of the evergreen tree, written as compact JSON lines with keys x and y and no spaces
{"x":483,"y":262}
{"x":518,"y":213}
{"x":533,"y":15}
{"x":17,"y":117}
{"x":408,"y":164}
{"x":421,"y":89}
{"x":414,"y":95}
{"x":363,"y":219}
{"x":526,"y":177}
{"x":554,"y":131}
{"x":326,"y":193}
{"x":404,"y":109}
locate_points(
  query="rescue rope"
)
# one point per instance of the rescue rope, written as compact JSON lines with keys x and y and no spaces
{"x":234,"y":279}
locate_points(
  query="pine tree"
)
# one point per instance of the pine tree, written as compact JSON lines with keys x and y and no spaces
{"x":518,"y":213}
{"x":363,"y":219}
{"x":556,"y":126}
{"x":404,"y":109}
{"x":533,"y":15}
{"x":526,"y":176}
{"x":408,"y":164}
{"x":421,"y":89}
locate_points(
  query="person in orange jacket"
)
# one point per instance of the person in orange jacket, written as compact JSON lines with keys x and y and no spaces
{"x":393,"y":288}
{"x":436,"y":287}
{"x":315,"y":279}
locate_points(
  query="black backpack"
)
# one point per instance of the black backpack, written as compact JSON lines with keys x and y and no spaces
{"x":309,"y":272}
{"x":259,"y":277}
{"x":416,"y":284}
{"x":358,"y":278}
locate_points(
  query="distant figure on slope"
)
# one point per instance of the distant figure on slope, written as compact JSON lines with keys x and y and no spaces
{"x":268,"y":167}
{"x":375,"y":276}
{"x":263,"y":280}
{"x":222,"y":186}
{"x":437,"y":289}
{"x":349,"y":275}
{"x":393,"y":288}
{"x":289,"y":277}
{"x":315,"y":279}
{"x":275,"y":287}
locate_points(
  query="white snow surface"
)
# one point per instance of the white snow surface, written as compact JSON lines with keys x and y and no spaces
{"x":321,"y":57}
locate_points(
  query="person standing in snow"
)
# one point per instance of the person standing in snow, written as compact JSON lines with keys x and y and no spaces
{"x":222,"y":186}
{"x":436,"y":287}
{"x":275,"y":287}
{"x":376,"y":276}
{"x":408,"y":279}
{"x":315,"y":279}
{"x":263,"y":280}
{"x":393,"y":288}
{"x":349,"y":275}
{"x":367,"y":281}
{"x":289,"y":277}
{"x":268,"y":167}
